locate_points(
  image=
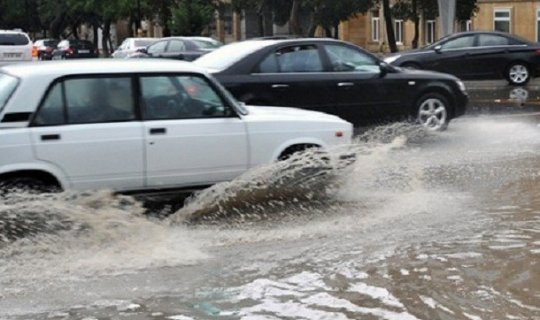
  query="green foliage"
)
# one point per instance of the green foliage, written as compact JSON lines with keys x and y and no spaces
{"x":191,"y":17}
{"x":329,"y":13}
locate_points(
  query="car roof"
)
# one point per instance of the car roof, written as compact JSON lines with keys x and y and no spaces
{"x":97,"y":66}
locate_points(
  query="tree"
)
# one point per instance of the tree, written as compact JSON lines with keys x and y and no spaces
{"x":414,"y":9}
{"x":389,"y":26}
{"x":329,"y":13}
{"x":191,"y":17}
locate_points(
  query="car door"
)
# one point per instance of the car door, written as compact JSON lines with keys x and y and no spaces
{"x":453,"y":56}
{"x":74,"y":130}
{"x":176,"y":49}
{"x":157,"y":50}
{"x":490,"y":56}
{"x":192,"y":136}
{"x":361,"y":92}
{"x":292,"y":75}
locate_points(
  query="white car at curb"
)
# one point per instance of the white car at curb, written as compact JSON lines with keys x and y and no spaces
{"x":139,"y":126}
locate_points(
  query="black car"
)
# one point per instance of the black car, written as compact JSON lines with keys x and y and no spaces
{"x":45,"y":48}
{"x":334,"y":77}
{"x":477,"y":55}
{"x":180,"y":48}
{"x":73,"y":49}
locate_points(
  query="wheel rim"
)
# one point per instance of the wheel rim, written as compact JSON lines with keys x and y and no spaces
{"x":432,"y":114}
{"x":518,"y":73}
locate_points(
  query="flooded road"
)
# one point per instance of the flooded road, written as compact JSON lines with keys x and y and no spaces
{"x":422,"y":226}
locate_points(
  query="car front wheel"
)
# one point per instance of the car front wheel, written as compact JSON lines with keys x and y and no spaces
{"x":518,"y":74}
{"x":433,"y":110}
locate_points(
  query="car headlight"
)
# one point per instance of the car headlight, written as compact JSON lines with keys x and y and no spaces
{"x":391,"y":59}
{"x":461,"y":86}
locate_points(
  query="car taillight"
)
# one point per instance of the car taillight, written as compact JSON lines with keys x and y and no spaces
{"x":69,"y":51}
{"x":48,"y":49}
{"x":537,"y":52}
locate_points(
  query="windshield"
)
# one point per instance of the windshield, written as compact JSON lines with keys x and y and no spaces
{"x":226,"y":56}
{"x":143,"y":43}
{"x":13,"y":39}
{"x":207,"y":44}
{"x":7,"y":86}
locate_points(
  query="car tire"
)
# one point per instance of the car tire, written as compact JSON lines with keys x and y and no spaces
{"x":26,"y":184}
{"x":518,"y":73}
{"x":433,"y":111}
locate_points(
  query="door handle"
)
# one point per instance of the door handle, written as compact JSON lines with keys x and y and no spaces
{"x":345,"y":84}
{"x":158,"y":131}
{"x":280,"y":86}
{"x":48,"y":137}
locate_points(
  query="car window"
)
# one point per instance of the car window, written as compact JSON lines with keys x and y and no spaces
{"x":344,"y":58}
{"x":487,"y":40}
{"x":88,"y":100}
{"x":303,"y":58}
{"x":180,"y":97}
{"x":7,"y":86}
{"x":13,"y":39}
{"x":459,"y":43}
{"x":176,"y":45}
{"x":158,"y":47}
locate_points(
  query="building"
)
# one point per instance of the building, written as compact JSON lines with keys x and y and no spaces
{"x":520,"y":17}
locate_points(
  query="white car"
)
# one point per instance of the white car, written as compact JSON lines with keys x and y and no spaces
{"x":15,"y":46}
{"x":140,"y":125}
{"x":131,"y":45}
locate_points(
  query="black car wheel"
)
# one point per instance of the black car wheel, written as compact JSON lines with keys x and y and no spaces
{"x":433,"y":110}
{"x":518,"y":73}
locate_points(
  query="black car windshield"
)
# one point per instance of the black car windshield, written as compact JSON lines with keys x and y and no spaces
{"x":7,"y":86}
{"x":227,"y":55}
{"x":13,"y":39}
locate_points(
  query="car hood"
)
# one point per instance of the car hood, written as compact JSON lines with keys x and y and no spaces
{"x":422,"y":74}
{"x":286,"y":113}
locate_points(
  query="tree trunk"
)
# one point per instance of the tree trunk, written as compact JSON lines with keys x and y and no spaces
{"x":416,"y":21}
{"x":389,"y":26}
{"x":294,"y":24}
{"x":105,"y":35}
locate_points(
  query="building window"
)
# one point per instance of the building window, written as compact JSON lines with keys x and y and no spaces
{"x":466,"y":25}
{"x":375,"y":26}
{"x":398,"y":29}
{"x":430,"y":31}
{"x":537,"y":25}
{"x":501,"y":20}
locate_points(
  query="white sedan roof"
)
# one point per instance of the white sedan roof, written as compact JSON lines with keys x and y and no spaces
{"x":93,"y":66}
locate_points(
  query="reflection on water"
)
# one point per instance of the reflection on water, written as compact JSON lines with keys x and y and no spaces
{"x":423,"y":225}
{"x":502,"y":99}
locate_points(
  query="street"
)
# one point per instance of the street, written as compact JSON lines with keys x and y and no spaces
{"x":423,"y":225}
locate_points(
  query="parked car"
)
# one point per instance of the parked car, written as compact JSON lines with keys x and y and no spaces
{"x":44,"y":48}
{"x":140,"y":126}
{"x":335,"y":77}
{"x":132,"y":45}
{"x":15,"y":46}
{"x":180,"y":48}
{"x":477,"y":55}
{"x":75,"y":49}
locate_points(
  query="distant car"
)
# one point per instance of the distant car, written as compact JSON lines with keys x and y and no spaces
{"x":132,"y":45}
{"x":15,"y":46}
{"x":142,"y":126}
{"x":45,"y":48}
{"x":335,"y":77}
{"x":74,"y":49}
{"x":179,"y":48}
{"x":476,"y":55}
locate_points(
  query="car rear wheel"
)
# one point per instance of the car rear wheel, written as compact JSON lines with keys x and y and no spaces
{"x":518,"y":73}
{"x":433,"y":111}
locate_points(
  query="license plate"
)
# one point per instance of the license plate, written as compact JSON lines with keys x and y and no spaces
{"x":12,"y":55}
{"x":84,"y":51}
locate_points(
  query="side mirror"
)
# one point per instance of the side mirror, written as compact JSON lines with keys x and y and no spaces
{"x":385,"y":68}
{"x":142,"y":50}
{"x":181,"y":56}
{"x":438,"y":48}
